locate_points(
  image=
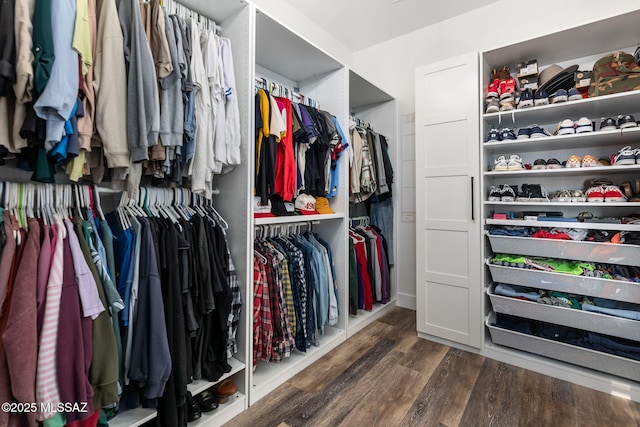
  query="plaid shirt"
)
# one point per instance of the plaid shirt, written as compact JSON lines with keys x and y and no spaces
{"x":236,"y":305}
{"x":262,"y":323}
{"x":299,"y":292}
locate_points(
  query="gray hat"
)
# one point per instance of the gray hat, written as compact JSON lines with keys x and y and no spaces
{"x":548,"y":73}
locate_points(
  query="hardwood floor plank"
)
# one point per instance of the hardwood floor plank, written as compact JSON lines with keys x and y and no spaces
{"x":493,"y":401}
{"x":535,"y":399}
{"x":424,"y":356}
{"x":561,"y":391}
{"x":388,"y":407}
{"x":315,"y":407}
{"x":446,"y":394}
{"x":272,"y":408}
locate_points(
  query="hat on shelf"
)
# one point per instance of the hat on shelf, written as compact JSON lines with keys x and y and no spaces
{"x":260,"y":210}
{"x":548,"y":73}
{"x":306,"y":204}
{"x":322,"y":205}
{"x":281,"y":208}
{"x":555,"y":80}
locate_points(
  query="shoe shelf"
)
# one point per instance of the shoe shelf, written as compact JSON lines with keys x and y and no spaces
{"x":223,"y":414}
{"x":596,"y":360}
{"x":589,"y":204}
{"x":568,"y":171}
{"x":563,"y":224}
{"x":596,"y":287}
{"x":297,"y":218}
{"x":593,"y":108}
{"x":596,"y":322}
{"x":607,"y":253}
{"x":199,"y":386}
{"x":618,"y":138}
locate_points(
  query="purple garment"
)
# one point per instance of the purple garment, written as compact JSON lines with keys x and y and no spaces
{"x":87,"y":287}
{"x":44,"y":264}
{"x":74,"y":354}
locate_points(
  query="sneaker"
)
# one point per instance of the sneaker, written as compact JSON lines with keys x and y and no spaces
{"x":525,"y":193}
{"x":538,"y":193}
{"x":613,"y":194}
{"x":507,"y":134}
{"x":584,"y":125}
{"x":524,"y":133}
{"x":515,"y":163}
{"x":539,"y":164}
{"x":608,"y":124}
{"x":604,"y":161}
{"x":563,"y":196}
{"x":492,"y":89}
{"x":595,"y":194}
{"x":627,"y":121}
{"x":574,"y":94}
{"x":494,"y":136}
{"x":566,"y":127}
{"x":508,"y":194}
{"x":507,"y":88}
{"x":495,"y":194}
{"x":500,"y":164}
{"x":554,"y":164}
{"x":574,"y":162}
{"x":626,"y":156}
{"x":578,"y":196}
{"x":493,"y":106}
{"x":526,"y":99}
{"x":589,"y":161}
{"x":538,"y":132}
{"x":540,"y":98}
{"x":559,"y":96}
{"x":507,"y":105}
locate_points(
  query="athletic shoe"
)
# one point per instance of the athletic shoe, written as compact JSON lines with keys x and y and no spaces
{"x":578,"y":196}
{"x":627,"y":121}
{"x":525,"y":193}
{"x":574,"y":162}
{"x":507,"y":134}
{"x":554,"y":164}
{"x":595,"y":194}
{"x":613,"y":194}
{"x":539,"y":164}
{"x":608,"y":124}
{"x":508,"y":194}
{"x":507,"y":104}
{"x":495,"y":194}
{"x":589,"y":161}
{"x":526,"y":99}
{"x":492,"y":89}
{"x":559,"y":96}
{"x":584,"y":125}
{"x":507,"y":88}
{"x":626,"y":156}
{"x":566,"y":127}
{"x":493,"y":106}
{"x":515,"y":163}
{"x":538,"y":132}
{"x":538,"y":193}
{"x":574,"y":94}
{"x":540,"y":98}
{"x":494,"y":136}
{"x":563,"y":196}
{"x":604,"y":161}
{"x":524,"y":133}
{"x":500,"y":164}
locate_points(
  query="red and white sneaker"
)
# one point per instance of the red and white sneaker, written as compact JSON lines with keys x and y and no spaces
{"x":595,"y":194}
{"x":613,"y":194}
{"x":492,"y":89}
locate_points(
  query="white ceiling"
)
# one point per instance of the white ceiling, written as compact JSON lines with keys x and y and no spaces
{"x":359,"y":24}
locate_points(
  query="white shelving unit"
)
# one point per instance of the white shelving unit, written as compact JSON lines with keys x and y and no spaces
{"x":599,"y":370}
{"x":372,"y":105}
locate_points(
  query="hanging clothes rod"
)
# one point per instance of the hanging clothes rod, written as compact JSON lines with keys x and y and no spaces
{"x":360,"y":220}
{"x":361,"y":123}
{"x":174,"y":7}
{"x":276,"y":89}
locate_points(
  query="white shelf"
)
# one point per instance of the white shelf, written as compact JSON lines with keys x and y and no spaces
{"x":596,"y":139}
{"x":297,"y":218}
{"x":593,"y":108}
{"x":364,"y":318}
{"x":223,"y":414}
{"x":363,"y":94}
{"x":589,"y":204}
{"x":568,"y":171}
{"x":199,"y":386}
{"x":268,"y":376}
{"x":133,"y":417}
{"x":218,"y":10}
{"x":554,"y":224}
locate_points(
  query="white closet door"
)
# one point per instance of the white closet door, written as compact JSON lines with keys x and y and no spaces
{"x":448,"y":222}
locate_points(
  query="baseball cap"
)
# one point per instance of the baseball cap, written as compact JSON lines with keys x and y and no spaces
{"x":306,"y":204}
{"x":281,"y":208}
{"x":260,"y":210}
{"x":322,"y":205}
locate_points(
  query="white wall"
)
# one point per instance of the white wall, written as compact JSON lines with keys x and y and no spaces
{"x":390,"y":65}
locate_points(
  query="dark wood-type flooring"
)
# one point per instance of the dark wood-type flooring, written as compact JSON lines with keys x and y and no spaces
{"x":386,"y":376}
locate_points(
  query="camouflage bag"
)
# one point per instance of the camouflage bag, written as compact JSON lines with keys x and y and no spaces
{"x":614,"y":73}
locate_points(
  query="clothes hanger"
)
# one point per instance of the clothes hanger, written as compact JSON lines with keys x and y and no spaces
{"x":262,"y":257}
